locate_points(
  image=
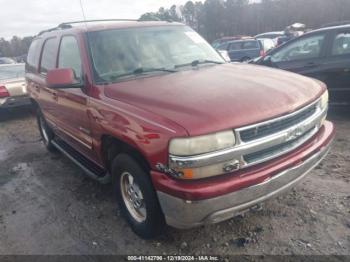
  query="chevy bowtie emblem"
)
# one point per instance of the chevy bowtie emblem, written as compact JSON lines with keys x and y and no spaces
{"x":295,"y":133}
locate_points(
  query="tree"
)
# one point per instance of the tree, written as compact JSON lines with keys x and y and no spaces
{"x":216,"y":18}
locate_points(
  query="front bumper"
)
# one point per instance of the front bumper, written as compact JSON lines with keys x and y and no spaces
{"x":14,"y":101}
{"x":184,"y":213}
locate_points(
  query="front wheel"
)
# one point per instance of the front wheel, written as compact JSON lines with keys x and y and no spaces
{"x":46,"y":133}
{"x":136,"y":197}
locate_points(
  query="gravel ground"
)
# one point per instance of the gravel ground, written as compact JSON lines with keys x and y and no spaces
{"x":48,"y":206}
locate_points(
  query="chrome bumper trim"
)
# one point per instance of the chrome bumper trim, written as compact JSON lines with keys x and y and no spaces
{"x":238,"y":152}
{"x":180,"y":213}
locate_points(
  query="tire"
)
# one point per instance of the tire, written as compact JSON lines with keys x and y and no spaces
{"x":139,"y":205}
{"x":46,"y":132}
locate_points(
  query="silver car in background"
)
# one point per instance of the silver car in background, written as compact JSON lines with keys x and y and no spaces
{"x":13,"y":89}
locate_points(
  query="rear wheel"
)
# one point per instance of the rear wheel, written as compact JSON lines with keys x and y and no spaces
{"x":136,"y":197}
{"x":46,"y":132}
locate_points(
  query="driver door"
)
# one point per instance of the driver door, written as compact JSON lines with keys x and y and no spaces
{"x":72,"y":103}
{"x":305,"y":55}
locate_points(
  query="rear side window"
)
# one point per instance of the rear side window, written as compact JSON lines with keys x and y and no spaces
{"x":69,"y":56}
{"x":33,"y":55}
{"x":48,"y":57}
{"x":236,"y":46}
{"x":251,"y":45}
{"x":341,"y":44}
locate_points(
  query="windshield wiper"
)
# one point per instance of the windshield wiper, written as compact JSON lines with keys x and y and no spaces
{"x":199,"y":62}
{"x":140,"y":71}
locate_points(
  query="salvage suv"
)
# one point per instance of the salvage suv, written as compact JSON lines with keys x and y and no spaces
{"x":185,"y":138}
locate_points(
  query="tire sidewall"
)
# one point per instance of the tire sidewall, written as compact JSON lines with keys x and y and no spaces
{"x":43,"y":125}
{"x":154,"y":222}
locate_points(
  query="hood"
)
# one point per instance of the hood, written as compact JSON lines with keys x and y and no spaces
{"x":220,"y":97}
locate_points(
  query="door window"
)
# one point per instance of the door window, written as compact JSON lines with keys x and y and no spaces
{"x":69,"y":56}
{"x":235,"y":46}
{"x":33,"y":54}
{"x":305,"y":48}
{"x":251,"y":45}
{"x":341,"y":44}
{"x":48,"y":57}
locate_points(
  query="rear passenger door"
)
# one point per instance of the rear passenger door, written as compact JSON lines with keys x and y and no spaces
{"x":72,"y":102}
{"x":48,"y":98}
{"x":337,"y":74}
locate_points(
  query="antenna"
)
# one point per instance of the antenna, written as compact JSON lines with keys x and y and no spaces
{"x":83,"y":12}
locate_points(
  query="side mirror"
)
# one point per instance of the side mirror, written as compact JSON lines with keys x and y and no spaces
{"x":62,"y":78}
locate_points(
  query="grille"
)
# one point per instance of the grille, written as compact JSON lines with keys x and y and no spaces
{"x":279,"y":125}
{"x":278,"y":149}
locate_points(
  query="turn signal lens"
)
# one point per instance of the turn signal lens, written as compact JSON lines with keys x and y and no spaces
{"x":324,"y":104}
{"x":324,"y":100}
{"x":209,"y":171}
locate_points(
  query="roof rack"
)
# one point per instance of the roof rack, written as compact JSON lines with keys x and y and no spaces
{"x":347,"y":22}
{"x":98,"y":20}
{"x":68,"y":25}
{"x":50,"y":30}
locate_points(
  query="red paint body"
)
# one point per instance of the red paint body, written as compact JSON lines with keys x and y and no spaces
{"x":147,"y":113}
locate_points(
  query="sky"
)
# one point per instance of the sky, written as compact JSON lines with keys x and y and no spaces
{"x":28,"y":17}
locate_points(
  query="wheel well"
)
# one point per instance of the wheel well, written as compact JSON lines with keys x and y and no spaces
{"x":111,"y":147}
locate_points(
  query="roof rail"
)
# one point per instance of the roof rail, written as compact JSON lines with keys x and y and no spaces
{"x":98,"y":20}
{"x":347,"y":22}
{"x":67,"y":25}
{"x":60,"y":27}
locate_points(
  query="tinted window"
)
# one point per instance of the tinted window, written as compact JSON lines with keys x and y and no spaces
{"x":305,"y":48}
{"x":341,"y":44}
{"x":69,"y":56}
{"x":48,"y":56}
{"x":11,"y":71}
{"x":235,"y":46}
{"x":33,"y":54}
{"x":251,"y":45}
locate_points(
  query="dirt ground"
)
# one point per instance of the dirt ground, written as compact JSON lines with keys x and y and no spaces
{"x":48,"y":206}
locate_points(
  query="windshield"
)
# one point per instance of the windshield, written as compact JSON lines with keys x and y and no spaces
{"x":133,"y":52}
{"x":11,"y":71}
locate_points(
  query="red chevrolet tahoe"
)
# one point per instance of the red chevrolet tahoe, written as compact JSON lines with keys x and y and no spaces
{"x":185,"y":138}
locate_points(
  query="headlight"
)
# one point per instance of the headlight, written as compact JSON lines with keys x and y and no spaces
{"x":202,"y":144}
{"x":324,"y":100}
